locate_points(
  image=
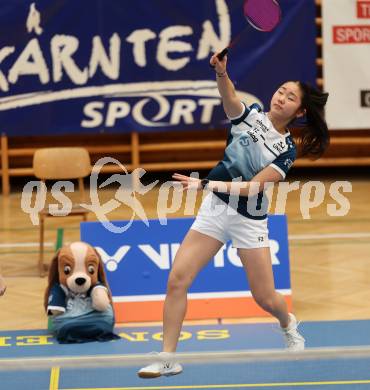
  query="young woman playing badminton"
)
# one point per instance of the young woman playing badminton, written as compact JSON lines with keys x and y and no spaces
{"x":259,"y":150}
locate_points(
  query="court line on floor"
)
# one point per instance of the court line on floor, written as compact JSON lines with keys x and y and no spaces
{"x":233,"y":386}
{"x":325,"y":236}
{"x":91,"y":361}
{"x":293,"y":244}
{"x":47,"y":229}
{"x":327,"y":220}
{"x":54,"y":378}
{"x":292,"y":237}
{"x":25,"y":244}
{"x":291,"y":221}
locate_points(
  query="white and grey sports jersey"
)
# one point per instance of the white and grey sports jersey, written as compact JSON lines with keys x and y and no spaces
{"x":253,"y":144}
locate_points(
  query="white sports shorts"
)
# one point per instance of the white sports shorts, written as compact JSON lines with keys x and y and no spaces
{"x":218,"y":220}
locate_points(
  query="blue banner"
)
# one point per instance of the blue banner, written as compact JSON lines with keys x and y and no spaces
{"x":138,"y":261}
{"x":116,"y":66}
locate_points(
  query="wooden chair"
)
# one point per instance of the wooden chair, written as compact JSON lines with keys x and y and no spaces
{"x":64,"y":163}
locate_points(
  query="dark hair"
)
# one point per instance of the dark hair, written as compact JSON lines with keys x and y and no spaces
{"x":314,"y":138}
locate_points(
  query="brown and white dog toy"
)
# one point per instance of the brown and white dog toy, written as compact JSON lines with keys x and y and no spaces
{"x":78,"y":298}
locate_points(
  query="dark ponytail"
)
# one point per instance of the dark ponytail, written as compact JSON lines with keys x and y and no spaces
{"x":314,"y":137}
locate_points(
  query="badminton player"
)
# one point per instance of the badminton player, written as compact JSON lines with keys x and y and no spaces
{"x":259,"y":150}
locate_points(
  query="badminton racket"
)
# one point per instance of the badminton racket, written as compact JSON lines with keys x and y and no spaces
{"x":262,"y":15}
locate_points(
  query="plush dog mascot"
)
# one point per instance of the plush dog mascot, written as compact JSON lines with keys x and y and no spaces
{"x":77,"y":297}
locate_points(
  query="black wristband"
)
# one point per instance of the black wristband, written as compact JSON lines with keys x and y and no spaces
{"x":204,"y":182}
{"x":221,"y":74}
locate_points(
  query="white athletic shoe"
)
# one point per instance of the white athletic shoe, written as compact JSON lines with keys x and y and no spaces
{"x":293,"y":339}
{"x":165,"y":365}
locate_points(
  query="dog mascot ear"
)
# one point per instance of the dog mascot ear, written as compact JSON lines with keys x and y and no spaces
{"x":53,"y":279}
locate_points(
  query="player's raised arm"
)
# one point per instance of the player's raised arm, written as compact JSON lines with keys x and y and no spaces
{"x":231,"y":103}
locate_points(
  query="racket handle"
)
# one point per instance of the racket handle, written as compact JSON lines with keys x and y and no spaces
{"x":221,"y":55}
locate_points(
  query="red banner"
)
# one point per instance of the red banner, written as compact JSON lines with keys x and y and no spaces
{"x":363,"y":9}
{"x":351,"y":34}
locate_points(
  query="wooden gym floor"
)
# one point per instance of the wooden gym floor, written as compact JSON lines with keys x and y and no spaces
{"x":330,"y":256}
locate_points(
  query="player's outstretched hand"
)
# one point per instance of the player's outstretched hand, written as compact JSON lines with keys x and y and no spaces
{"x":187,"y":182}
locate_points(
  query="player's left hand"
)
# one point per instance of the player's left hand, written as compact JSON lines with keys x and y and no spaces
{"x":187,"y":182}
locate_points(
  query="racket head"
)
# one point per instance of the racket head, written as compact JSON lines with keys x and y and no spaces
{"x":263,"y":15}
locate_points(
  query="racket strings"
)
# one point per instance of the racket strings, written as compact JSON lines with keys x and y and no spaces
{"x":262,"y":22}
{"x":264,"y":15}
